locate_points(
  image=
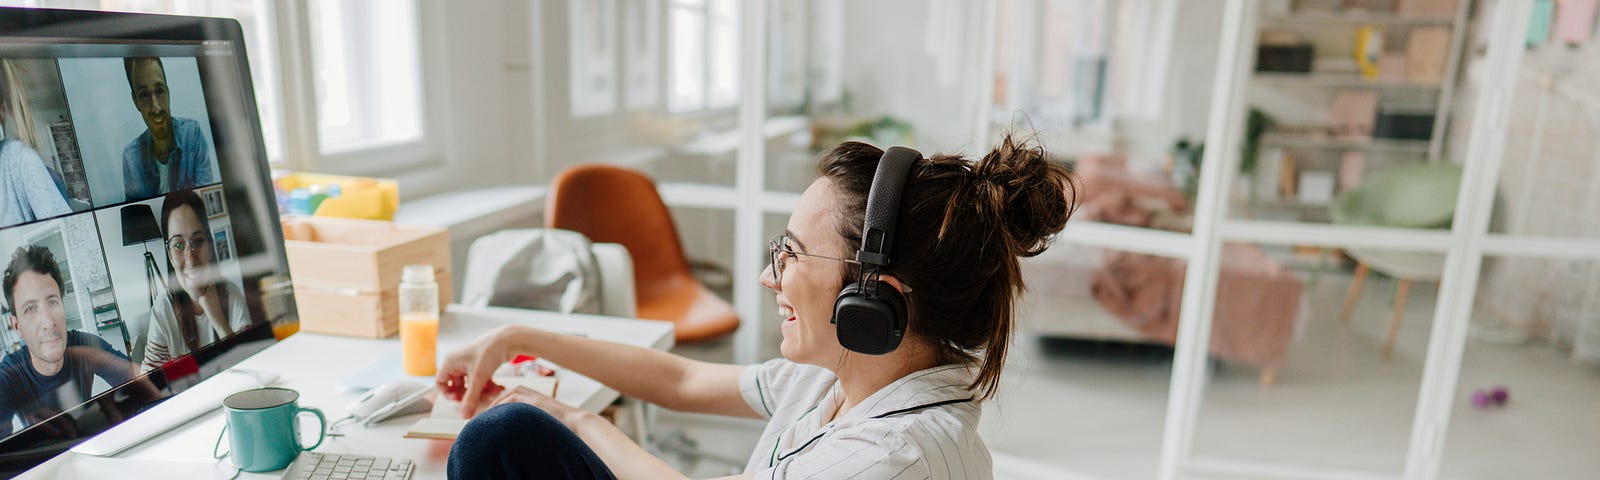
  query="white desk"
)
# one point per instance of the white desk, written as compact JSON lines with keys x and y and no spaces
{"x":318,"y":366}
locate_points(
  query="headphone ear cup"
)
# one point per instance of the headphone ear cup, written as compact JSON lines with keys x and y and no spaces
{"x":870,"y":323}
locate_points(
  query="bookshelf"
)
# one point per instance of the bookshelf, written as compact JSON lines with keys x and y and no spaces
{"x":1335,"y":114}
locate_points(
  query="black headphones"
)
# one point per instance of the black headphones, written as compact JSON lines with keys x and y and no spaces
{"x":870,"y":315}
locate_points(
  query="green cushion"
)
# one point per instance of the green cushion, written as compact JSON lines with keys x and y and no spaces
{"x":1405,"y":196}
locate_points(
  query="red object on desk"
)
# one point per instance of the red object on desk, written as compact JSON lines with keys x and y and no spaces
{"x":543,"y":370}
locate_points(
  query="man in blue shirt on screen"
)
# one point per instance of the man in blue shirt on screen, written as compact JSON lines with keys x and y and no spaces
{"x":172,"y":153}
{"x":55,"y":368}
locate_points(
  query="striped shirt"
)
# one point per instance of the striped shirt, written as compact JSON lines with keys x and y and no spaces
{"x":922,"y":426}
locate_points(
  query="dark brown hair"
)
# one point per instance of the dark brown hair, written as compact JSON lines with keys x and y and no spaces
{"x":961,"y":228}
{"x":129,"y":63}
{"x":30,"y":258}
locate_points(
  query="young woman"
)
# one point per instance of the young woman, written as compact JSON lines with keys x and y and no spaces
{"x":28,"y":192}
{"x":204,"y":306}
{"x":832,"y":412}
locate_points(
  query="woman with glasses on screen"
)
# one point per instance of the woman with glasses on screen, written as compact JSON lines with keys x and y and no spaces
{"x":832,"y":412}
{"x":204,"y":306}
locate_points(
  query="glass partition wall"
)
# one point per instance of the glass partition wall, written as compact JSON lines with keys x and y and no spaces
{"x":1434,"y":287}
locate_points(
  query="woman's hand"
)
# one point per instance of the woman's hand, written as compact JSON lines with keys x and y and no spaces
{"x":561,"y":411}
{"x":210,"y":303}
{"x":466,"y":374}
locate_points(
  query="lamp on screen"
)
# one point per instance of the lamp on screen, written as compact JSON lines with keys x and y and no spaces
{"x":139,"y":228}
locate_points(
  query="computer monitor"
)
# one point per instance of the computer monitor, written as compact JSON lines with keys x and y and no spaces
{"x":138,"y":231}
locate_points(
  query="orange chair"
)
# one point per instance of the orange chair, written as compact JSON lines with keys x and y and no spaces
{"x":617,"y":205}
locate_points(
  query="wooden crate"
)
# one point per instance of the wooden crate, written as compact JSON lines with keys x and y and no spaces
{"x":346,"y":272}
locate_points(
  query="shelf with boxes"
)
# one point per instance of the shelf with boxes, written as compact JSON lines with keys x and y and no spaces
{"x":1346,"y":87}
{"x":1340,"y":80}
{"x":1356,"y":17}
{"x":1329,"y":142}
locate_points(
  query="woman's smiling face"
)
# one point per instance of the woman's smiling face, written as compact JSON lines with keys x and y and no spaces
{"x":189,"y":249}
{"x":810,"y":284}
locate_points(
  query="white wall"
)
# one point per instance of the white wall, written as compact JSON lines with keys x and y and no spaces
{"x":1190,"y":70}
{"x":899,"y":58}
{"x":468,"y":51}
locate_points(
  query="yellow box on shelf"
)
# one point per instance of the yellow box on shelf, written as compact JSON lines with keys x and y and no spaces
{"x":357,"y":197}
{"x":1369,"y":50}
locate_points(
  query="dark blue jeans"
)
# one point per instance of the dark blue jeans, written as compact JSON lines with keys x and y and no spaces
{"x":520,"y":441}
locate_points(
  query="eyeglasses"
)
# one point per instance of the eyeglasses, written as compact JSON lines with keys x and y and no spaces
{"x":778,"y":251}
{"x":179,"y":246}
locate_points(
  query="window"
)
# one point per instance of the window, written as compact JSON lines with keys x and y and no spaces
{"x":368,"y":80}
{"x":364,"y":70}
{"x":255,"y":18}
{"x":704,"y":71}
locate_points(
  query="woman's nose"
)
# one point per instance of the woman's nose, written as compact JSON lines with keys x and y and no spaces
{"x":767,"y":278}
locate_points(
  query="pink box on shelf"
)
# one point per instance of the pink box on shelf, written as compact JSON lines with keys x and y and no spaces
{"x":1352,"y":167}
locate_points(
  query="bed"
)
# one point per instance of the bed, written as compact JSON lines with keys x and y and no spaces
{"x":1081,"y":291}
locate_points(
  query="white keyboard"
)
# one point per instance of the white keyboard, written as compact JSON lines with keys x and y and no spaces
{"x":334,"y":466}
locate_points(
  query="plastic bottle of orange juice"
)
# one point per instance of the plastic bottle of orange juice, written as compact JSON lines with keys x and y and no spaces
{"x":419,"y":320}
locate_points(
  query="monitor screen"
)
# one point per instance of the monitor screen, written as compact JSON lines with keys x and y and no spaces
{"x":138,"y":236}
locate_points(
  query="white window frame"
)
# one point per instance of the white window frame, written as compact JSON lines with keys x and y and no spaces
{"x":302,"y":141}
{"x":709,"y":103}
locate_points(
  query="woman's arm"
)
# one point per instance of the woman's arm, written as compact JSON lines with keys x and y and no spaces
{"x":158,"y":341}
{"x":651,"y":375}
{"x":216,"y":317}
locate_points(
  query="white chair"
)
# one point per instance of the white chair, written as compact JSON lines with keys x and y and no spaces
{"x":1407,"y":196}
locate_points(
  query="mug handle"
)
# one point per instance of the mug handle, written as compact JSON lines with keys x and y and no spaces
{"x":321,"y":420}
{"x":218,"y":445}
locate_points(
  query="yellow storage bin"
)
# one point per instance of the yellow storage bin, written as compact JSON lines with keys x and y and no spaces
{"x":359,"y":197}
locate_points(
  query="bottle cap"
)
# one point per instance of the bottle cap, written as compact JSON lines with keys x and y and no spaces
{"x":417,"y":274}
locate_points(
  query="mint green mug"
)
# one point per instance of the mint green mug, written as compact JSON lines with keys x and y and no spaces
{"x":266,"y":429}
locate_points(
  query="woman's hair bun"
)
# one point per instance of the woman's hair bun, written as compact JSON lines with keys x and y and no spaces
{"x":1032,"y":195}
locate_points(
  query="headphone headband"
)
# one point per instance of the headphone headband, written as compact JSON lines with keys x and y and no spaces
{"x":883,"y":205}
{"x":869,"y":316}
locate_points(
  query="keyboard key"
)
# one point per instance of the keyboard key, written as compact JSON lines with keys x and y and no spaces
{"x":330,"y":466}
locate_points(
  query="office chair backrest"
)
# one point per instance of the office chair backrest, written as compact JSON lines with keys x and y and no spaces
{"x":549,"y":269}
{"x":612,"y":204}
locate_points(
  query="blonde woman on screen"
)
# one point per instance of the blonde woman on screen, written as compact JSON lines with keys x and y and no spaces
{"x":28,"y":192}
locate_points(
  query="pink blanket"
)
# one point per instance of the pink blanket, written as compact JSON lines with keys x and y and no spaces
{"x":1257,"y":298}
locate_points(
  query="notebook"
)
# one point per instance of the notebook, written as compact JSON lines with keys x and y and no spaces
{"x":445,"y":422}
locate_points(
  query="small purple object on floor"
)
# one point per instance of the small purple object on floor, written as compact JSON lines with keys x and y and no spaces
{"x":1501,"y":395}
{"x":1481,"y":399}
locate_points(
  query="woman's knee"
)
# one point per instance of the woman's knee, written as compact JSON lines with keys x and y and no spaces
{"x":518,"y":440}
{"x":510,"y":424}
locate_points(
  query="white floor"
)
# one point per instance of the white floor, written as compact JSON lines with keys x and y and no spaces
{"x":1078,"y":409}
